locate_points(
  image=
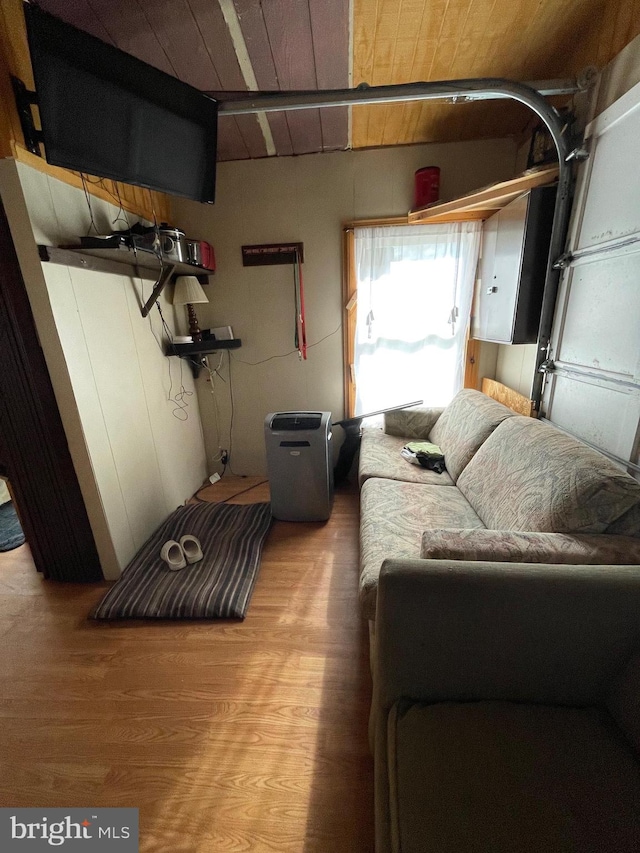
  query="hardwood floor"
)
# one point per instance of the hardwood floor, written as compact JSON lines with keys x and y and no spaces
{"x":228,"y":736}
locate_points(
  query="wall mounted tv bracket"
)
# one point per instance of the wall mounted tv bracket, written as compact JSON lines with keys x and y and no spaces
{"x":25,"y":99}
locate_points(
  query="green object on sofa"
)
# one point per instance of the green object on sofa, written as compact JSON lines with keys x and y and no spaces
{"x":505,"y":709}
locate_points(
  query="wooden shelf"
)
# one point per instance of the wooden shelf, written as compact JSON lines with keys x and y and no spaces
{"x":203,"y":347}
{"x":122,"y":259}
{"x":194,"y":352}
{"x":119,"y":260}
{"x":482,"y":203}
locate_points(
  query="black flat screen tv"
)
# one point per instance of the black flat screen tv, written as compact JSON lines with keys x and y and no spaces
{"x":106,"y":113}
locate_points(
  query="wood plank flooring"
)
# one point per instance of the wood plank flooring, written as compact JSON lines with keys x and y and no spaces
{"x":228,"y":736}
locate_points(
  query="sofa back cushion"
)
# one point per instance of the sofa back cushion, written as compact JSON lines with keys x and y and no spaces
{"x":414,"y":422}
{"x":464,"y":425}
{"x":530,"y":476}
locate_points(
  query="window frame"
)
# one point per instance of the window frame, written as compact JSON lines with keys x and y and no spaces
{"x":349,"y":300}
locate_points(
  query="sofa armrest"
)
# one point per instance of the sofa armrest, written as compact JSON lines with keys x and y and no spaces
{"x":416,"y":422}
{"x":464,"y":631}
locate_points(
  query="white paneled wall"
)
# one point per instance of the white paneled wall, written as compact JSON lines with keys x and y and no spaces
{"x":139,"y":455}
{"x":515,"y":366}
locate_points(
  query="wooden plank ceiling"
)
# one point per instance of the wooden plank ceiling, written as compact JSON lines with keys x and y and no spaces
{"x":399,"y":41}
{"x":240,"y":45}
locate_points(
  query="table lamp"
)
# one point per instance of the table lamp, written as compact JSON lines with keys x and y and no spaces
{"x":187,"y":292}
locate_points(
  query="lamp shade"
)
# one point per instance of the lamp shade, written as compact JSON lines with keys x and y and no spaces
{"x":188,"y":291}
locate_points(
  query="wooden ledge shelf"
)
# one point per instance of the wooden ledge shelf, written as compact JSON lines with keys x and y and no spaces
{"x":118,"y":258}
{"x":194,"y":352}
{"x":482,"y":203}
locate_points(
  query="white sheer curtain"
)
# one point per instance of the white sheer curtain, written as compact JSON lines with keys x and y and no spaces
{"x":415,"y":288}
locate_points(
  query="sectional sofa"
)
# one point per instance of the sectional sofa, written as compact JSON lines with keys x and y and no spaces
{"x":504,"y":605}
{"x":512,"y":487}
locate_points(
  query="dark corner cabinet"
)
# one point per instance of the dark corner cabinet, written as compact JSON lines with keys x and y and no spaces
{"x":515,"y":247}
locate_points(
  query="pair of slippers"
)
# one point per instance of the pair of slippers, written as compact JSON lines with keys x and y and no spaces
{"x":177,"y":554}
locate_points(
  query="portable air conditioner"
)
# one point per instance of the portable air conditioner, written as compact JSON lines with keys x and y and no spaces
{"x":299,"y":465}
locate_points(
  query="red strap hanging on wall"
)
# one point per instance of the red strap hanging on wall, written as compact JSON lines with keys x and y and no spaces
{"x":303,"y":329}
{"x":300,"y":331}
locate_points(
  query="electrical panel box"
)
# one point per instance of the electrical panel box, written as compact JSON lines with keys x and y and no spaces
{"x":515,"y":248}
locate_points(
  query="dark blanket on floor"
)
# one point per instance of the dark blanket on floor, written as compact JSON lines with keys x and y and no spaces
{"x":219,"y":586}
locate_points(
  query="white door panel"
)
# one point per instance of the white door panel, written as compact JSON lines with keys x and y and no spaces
{"x":595,"y":341}
{"x":611,"y":207}
{"x":604,"y":416}
{"x":602,"y":323}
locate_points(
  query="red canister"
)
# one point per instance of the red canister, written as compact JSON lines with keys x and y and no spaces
{"x":427,"y":186}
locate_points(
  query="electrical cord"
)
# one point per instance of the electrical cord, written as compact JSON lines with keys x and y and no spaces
{"x":212,"y":374}
{"x":121,"y":215}
{"x":178,"y":399}
{"x":284,"y":354}
{"x":92,"y":223}
{"x":231,"y":497}
{"x":231,"y":397}
{"x":231,"y":400}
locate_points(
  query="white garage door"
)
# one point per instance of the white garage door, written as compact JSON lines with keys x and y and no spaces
{"x":593,"y":390}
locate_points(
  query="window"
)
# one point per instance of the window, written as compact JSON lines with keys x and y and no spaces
{"x":413,"y":288}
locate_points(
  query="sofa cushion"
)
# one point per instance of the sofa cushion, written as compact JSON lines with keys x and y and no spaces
{"x":515,"y":546}
{"x":414,"y":422}
{"x":393,"y":516}
{"x":380,"y":457}
{"x":530,"y":476}
{"x":499,"y":777}
{"x":465,"y":424}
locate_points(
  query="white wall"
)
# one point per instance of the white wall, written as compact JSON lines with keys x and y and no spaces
{"x":515,"y":366}
{"x":135,"y":461}
{"x":302,"y":199}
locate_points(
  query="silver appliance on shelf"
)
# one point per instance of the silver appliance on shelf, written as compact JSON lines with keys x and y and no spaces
{"x":169,"y":243}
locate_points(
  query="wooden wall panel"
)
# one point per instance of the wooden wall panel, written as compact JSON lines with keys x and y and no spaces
{"x":508,"y":397}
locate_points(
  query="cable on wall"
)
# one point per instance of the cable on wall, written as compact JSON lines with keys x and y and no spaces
{"x":284,"y":354}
